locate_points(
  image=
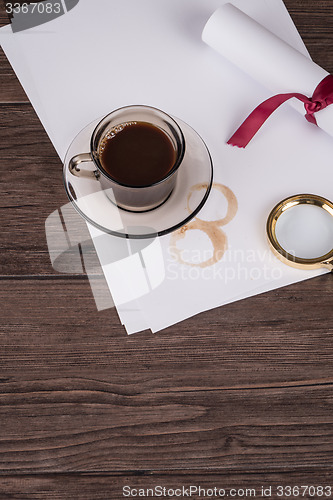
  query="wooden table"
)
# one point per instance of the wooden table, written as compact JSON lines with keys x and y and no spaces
{"x":237,"y":397}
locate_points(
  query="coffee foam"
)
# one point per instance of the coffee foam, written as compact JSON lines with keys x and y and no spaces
{"x":112,"y":133}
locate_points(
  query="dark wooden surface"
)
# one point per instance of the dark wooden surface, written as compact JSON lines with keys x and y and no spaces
{"x":237,"y":397}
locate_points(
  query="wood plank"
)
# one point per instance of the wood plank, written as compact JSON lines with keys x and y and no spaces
{"x":10,"y":88}
{"x":22,"y":134}
{"x":3,"y":15}
{"x":315,"y":25}
{"x":32,"y":187}
{"x":92,"y":426}
{"x":112,"y":487}
{"x":51,"y":330}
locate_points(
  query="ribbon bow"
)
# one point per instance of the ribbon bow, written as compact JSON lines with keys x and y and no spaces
{"x":322,"y":97}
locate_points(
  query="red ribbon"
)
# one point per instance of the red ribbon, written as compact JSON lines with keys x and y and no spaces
{"x":322,"y":97}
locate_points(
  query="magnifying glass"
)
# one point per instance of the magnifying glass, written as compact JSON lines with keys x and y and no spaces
{"x":300,"y":231}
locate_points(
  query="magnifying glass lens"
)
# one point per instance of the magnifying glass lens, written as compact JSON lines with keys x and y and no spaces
{"x":300,"y":231}
{"x":305,"y":231}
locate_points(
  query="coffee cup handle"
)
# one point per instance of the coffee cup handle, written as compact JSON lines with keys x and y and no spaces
{"x":76,"y":170}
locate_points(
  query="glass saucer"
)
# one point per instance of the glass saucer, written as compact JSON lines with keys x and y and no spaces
{"x":91,"y":202}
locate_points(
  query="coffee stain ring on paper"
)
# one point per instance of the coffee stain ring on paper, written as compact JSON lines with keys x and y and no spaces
{"x":212,"y":229}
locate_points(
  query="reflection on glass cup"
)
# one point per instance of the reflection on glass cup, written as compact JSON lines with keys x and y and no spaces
{"x":136,"y":152}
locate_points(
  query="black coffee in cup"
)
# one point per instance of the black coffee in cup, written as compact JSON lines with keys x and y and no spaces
{"x":137,"y":154}
{"x":136,"y":151}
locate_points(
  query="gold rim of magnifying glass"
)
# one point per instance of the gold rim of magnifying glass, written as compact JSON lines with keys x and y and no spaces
{"x":300,"y":199}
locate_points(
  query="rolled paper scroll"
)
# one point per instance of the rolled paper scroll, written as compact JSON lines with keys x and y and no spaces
{"x":272,"y":62}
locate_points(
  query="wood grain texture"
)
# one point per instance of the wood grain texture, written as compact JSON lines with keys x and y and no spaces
{"x":53,"y":328}
{"x":10,"y":88}
{"x":87,"y":425}
{"x":222,"y":391}
{"x":3,"y":15}
{"x":110,"y":487}
{"x":23,"y":136}
{"x":315,"y":25}
{"x":32,"y":188}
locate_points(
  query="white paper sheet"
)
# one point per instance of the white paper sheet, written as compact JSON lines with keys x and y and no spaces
{"x":82,"y":65}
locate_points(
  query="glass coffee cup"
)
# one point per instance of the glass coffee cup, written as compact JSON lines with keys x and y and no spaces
{"x":135,"y":152}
